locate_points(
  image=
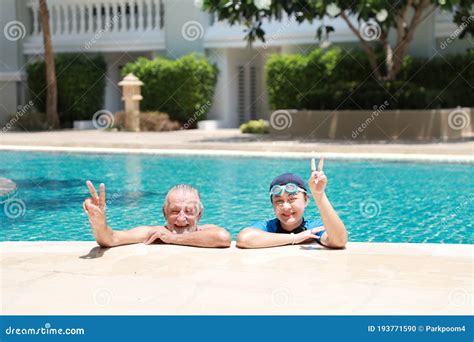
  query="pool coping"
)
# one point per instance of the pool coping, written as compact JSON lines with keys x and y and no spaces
{"x":78,"y":277}
{"x":401,"y":157}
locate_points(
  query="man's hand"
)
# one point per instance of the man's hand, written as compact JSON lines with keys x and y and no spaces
{"x":307,"y":235}
{"x":317,"y":181}
{"x":95,"y":207}
{"x":160,"y":233}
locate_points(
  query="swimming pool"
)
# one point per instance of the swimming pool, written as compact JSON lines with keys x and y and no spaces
{"x":378,"y":201}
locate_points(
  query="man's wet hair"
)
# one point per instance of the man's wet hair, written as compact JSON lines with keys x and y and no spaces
{"x":183,"y":188}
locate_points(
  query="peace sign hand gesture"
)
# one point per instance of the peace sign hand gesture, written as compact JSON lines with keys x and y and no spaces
{"x":95,"y":207}
{"x":317,"y":181}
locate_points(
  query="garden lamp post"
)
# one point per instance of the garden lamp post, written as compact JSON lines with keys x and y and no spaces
{"x":131,"y":96}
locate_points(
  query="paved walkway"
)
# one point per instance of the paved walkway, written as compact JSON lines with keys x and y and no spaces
{"x":225,"y":139}
{"x":63,"y":278}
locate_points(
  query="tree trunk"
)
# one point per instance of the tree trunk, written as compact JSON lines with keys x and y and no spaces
{"x":387,"y":48}
{"x":393,"y":58}
{"x":405,"y":36}
{"x":367,"y":47}
{"x":51,"y":84}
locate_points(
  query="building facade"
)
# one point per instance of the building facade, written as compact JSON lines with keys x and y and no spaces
{"x":124,"y":30}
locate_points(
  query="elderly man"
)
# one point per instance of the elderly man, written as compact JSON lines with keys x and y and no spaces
{"x":182,"y":210}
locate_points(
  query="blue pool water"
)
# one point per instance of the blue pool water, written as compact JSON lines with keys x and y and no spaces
{"x":378,"y":201}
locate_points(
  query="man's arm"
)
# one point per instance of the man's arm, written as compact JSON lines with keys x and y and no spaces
{"x":95,"y":209}
{"x":125,"y":237}
{"x":210,"y":236}
{"x":256,"y":238}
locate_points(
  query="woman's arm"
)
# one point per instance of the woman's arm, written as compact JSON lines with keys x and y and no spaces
{"x":336,"y":234}
{"x":256,"y":238}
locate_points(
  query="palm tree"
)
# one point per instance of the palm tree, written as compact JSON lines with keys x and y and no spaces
{"x":51,"y":84}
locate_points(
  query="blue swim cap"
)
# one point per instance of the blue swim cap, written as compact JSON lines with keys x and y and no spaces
{"x":288,"y":178}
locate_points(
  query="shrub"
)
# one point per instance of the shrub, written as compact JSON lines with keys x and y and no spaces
{"x":149,"y":122}
{"x":81,"y":86}
{"x":334,"y":79}
{"x":30,"y":121}
{"x":255,"y":126}
{"x":178,"y":87}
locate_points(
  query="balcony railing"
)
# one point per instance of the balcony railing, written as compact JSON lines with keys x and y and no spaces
{"x":119,"y":21}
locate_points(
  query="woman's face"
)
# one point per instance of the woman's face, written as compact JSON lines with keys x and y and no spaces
{"x":289,"y":208}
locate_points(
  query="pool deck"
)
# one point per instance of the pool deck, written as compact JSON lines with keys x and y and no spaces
{"x":54,"y":278}
{"x":228,"y":141}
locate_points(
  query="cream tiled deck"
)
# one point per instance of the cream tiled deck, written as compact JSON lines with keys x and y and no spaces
{"x":223,"y":140}
{"x":367,"y":278}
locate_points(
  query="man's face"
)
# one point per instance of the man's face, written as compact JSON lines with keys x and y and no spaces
{"x":289,"y":209}
{"x":183,"y":212}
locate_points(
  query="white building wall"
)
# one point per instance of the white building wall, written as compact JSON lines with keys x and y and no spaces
{"x":11,"y":60}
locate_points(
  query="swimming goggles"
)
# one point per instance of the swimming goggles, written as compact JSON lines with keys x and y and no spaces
{"x":290,"y":188}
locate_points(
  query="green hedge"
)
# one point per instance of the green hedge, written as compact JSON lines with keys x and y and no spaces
{"x":183,"y":88}
{"x":81,"y":86}
{"x":330,"y":79}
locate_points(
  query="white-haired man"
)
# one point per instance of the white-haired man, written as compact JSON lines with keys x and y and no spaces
{"x":182,"y":210}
